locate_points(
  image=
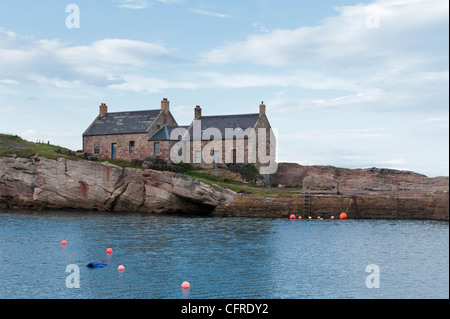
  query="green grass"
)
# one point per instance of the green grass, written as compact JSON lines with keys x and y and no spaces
{"x":229,"y":184}
{"x":40,"y":149}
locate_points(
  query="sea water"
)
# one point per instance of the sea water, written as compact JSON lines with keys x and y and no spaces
{"x":220,"y":257}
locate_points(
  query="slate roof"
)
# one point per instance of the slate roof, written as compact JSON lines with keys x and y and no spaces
{"x":165,"y":132}
{"x":221,"y":122}
{"x":122,"y":123}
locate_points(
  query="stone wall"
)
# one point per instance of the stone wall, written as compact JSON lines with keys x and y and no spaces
{"x":434,"y":207}
{"x":142,"y":149}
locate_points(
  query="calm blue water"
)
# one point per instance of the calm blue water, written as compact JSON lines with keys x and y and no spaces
{"x":220,"y":257}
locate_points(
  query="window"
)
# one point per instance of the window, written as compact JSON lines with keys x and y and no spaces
{"x":198,"y":157}
{"x":158,"y":126}
{"x":156,"y":148}
{"x":131,"y":146}
{"x":96,"y":148}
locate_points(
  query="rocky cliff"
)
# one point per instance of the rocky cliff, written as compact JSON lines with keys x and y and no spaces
{"x":41,"y":183}
{"x":371,"y":181}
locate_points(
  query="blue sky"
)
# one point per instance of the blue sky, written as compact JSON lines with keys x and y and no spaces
{"x":347,"y":83}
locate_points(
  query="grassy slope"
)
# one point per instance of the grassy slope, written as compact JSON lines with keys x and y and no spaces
{"x":41,"y":149}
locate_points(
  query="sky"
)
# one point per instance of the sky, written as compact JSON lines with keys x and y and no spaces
{"x":352,"y":84}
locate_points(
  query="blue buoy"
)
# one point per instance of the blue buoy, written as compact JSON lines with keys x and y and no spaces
{"x":96,"y":265}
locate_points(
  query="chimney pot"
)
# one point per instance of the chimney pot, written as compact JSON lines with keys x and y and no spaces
{"x":164,"y":104}
{"x":262,"y":108}
{"x":103,"y":109}
{"x":197,"y":112}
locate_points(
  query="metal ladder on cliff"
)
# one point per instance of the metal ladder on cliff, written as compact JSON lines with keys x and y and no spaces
{"x":306,"y":190}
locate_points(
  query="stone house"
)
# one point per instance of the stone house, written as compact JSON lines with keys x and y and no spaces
{"x":209,"y":141}
{"x":226,"y":139}
{"x":125,"y":135}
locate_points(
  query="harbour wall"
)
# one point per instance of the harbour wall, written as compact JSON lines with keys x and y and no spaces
{"x":433,"y":207}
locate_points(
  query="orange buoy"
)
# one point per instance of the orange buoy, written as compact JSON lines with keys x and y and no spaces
{"x":185,"y":285}
{"x":343,"y":216}
{"x":121,"y":268}
{"x":64,"y":242}
{"x":292,"y":216}
{"x":109,"y":251}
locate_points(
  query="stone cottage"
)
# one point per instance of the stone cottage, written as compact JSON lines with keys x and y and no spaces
{"x":125,"y":135}
{"x":209,"y":141}
{"x":227,"y":139}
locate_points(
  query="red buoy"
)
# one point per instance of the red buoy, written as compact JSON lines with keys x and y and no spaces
{"x":64,"y":242}
{"x":121,"y":268}
{"x":109,"y":251}
{"x":185,"y":285}
{"x":292,"y":216}
{"x":343,"y":216}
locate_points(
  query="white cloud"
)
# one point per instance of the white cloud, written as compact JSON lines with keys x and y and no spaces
{"x":142,"y":4}
{"x":209,"y":13}
{"x":133,"y":4}
{"x":344,"y":40}
{"x":206,"y":80}
{"x":260,"y":27}
{"x":170,"y":1}
{"x":115,"y":52}
{"x":437,"y":120}
{"x":8,"y":81}
{"x":335,"y":135}
{"x":52,"y":62}
{"x":6,"y":110}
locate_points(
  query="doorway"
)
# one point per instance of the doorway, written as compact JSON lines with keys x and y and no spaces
{"x":113,"y":150}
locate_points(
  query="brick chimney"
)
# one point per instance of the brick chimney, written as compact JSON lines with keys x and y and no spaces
{"x":198,"y":112}
{"x":262,"y":108}
{"x":164,"y":105}
{"x":103,"y":109}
